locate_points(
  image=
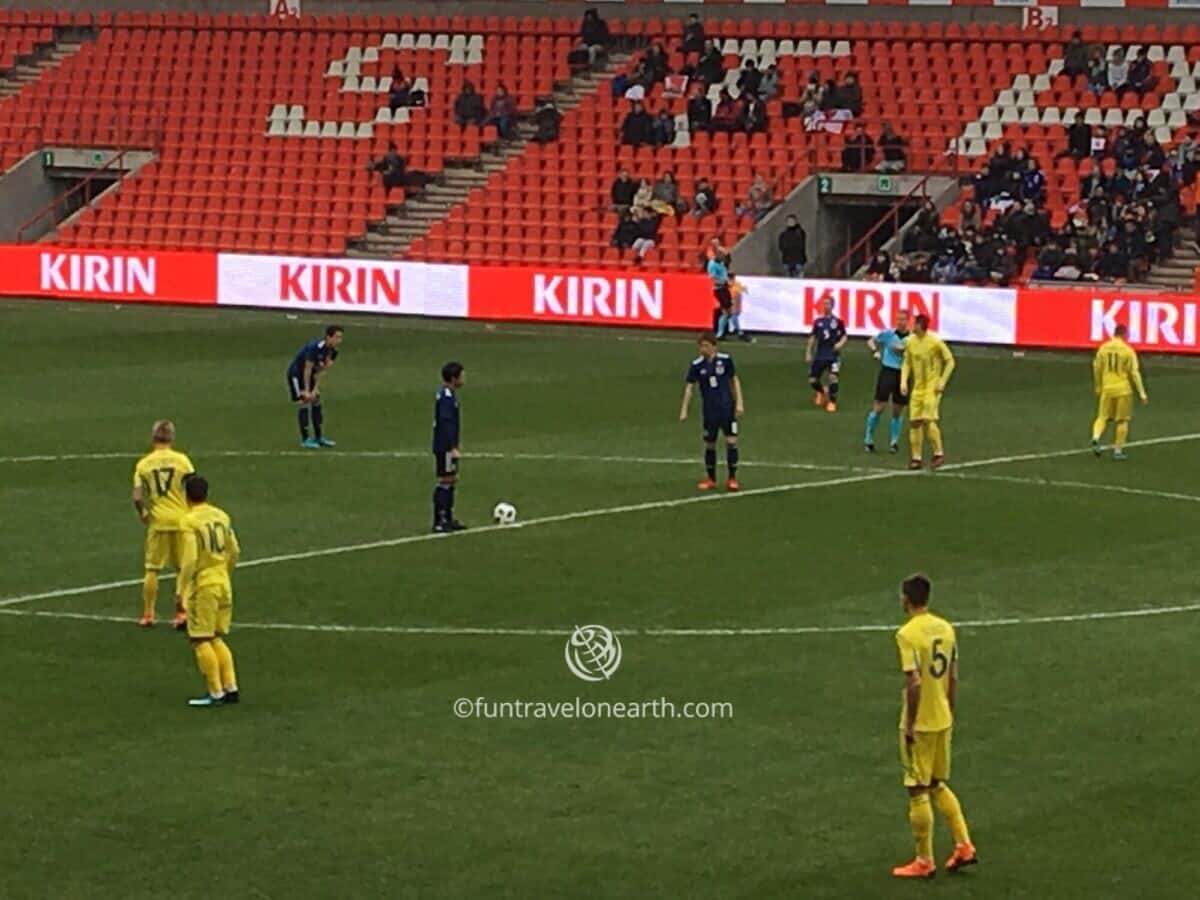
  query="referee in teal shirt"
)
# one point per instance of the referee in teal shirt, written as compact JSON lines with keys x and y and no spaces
{"x":888,"y":347}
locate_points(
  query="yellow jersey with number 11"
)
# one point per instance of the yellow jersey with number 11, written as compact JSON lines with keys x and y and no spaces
{"x":1115,"y":370}
{"x":927,"y":645}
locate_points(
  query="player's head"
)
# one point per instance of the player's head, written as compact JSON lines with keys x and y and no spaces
{"x":902,"y":320}
{"x":1121,"y":331}
{"x":452,"y":374}
{"x":163,"y":432}
{"x":196,"y":489}
{"x":827,"y":306}
{"x":708,"y":344}
{"x":914,"y":592}
{"x":334,"y":335}
{"x":921,"y":324}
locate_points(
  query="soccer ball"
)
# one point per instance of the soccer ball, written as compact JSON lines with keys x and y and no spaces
{"x":504,"y":514}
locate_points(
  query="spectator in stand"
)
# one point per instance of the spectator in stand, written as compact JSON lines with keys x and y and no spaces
{"x":1079,"y":140}
{"x":623,"y":190}
{"x":810,"y":97}
{"x":758,"y":202}
{"x":945,"y":270}
{"x":1153,"y":156}
{"x":849,"y":94}
{"x":880,"y":267}
{"x":693,"y":35}
{"x":399,"y":95}
{"x":1070,"y":269}
{"x":637,"y":129}
{"x":891,"y":147}
{"x":1132,"y":242}
{"x":728,"y":114}
{"x":1099,"y":142}
{"x":859,"y":151}
{"x":468,"y":107}
{"x":793,"y":248}
{"x":1184,"y":152}
{"x":1049,"y":261}
{"x":749,"y":79}
{"x":1075,"y":56}
{"x":705,"y":200}
{"x":662,"y":130}
{"x":829,"y":98}
{"x":594,"y":36}
{"x":547,"y":120}
{"x":995,"y":177}
{"x":1141,"y":73}
{"x":754,"y":114}
{"x":1112,"y":265}
{"x":1117,"y":74}
{"x":502,"y":113}
{"x":1033,"y":183}
{"x":395,"y":172}
{"x":710,"y":68}
{"x":768,"y":88}
{"x":969,"y":218}
{"x":699,"y":111}
{"x":1097,"y":71}
{"x":665,"y":196}
{"x":657,"y":65}
{"x":643,"y":199}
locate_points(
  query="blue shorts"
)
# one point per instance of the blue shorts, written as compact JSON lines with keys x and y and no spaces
{"x":821,"y":365}
{"x":293,"y":383}
{"x":445,"y":464}
{"x":712,"y":427}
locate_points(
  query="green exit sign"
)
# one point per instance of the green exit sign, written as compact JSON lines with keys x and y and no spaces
{"x":47,"y":159}
{"x":885,"y":184}
{"x":824,"y":184}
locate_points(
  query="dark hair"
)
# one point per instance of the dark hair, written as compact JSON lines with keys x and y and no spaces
{"x":196,"y":488}
{"x":334,"y":329}
{"x":451,"y":371}
{"x":1120,"y":331}
{"x":707,"y":337}
{"x":916,"y":589}
{"x":922,"y":320}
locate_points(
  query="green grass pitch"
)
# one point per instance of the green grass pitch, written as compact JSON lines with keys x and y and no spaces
{"x":345,"y":773}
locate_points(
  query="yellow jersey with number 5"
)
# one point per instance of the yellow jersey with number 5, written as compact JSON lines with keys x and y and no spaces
{"x":160,"y":475}
{"x":1115,"y":370}
{"x":927,"y":645}
{"x":210,"y":548}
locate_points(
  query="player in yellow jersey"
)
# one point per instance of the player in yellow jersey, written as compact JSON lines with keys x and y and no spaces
{"x":158,"y":498}
{"x":1116,"y":375}
{"x":929,"y":363}
{"x":929,"y":661}
{"x":210,"y":551}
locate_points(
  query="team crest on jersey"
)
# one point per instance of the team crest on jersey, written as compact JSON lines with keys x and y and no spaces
{"x":720,"y":368}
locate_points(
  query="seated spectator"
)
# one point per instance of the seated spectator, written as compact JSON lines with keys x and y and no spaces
{"x":891,"y":147}
{"x":1153,"y":155}
{"x":995,"y":178}
{"x":1099,"y":142}
{"x":638,"y":82}
{"x":594,"y":36}
{"x":1033,"y":183}
{"x":758,"y":202}
{"x":1069,"y":270}
{"x":1049,"y":261}
{"x":880,"y":267}
{"x":393,"y":167}
{"x":754,"y":114}
{"x":810,"y":97}
{"x":1185,"y":152}
{"x":1075,"y":56}
{"x":1112,"y":264}
{"x":849,"y":94}
{"x":750,"y":78}
{"x":858,"y":152}
{"x":637,"y":129}
{"x":1132,"y":243}
{"x":662,"y":130}
{"x":768,"y":88}
{"x":503,"y":113}
{"x":969,"y":218}
{"x":657,"y":64}
{"x":1097,"y":71}
{"x":1079,"y":140}
{"x":399,"y":95}
{"x":829,"y":98}
{"x":1141,"y":73}
{"x":547,"y":120}
{"x":642,"y":199}
{"x":706,"y":199}
{"x":793,"y":248}
{"x":468,"y":107}
{"x":1117,"y":73}
{"x":945,"y":270}
{"x":623,"y":189}
{"x":710,"y":68}
{"x":699,"y":111}
{"x":646,"y":232}
{"x":728,"y":114}
{"x":693,"y":35}
{"x":665,"y":196}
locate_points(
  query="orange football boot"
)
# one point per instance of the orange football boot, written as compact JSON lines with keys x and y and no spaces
{"x":831,"y":407}
{"x":964,"y":855}
{"x":732,"y":485}
{"x":938,"y":461}
{"x":819,"y":398}
{"x":707,"y":484}
{"x":918,"y":868}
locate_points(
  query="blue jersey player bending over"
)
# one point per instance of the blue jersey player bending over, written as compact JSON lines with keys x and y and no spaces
{"x":721,"y":397}
{"x":314,"y":357}
{"x":446,"y":452}
{"x":824,"y":354}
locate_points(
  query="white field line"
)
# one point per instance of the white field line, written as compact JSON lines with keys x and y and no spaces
{"x":452,"y":631}
{"x":875,"y":475}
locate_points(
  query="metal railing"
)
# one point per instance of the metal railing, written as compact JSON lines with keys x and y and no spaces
{"x":84,"y":186}
{"x":846,"y":265}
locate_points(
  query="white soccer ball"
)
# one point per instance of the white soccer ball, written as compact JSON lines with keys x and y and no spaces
{"x":504,"y":514}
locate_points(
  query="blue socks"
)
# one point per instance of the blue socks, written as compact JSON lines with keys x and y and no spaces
{"x":735,"y":326}
{"x":304,"y":423}
{"x":731,"y":460}
{"x":722,"y":325}
{"x":833,"y":391}
{"x":443,"y":504}
{"x":710,"y":462}
{"x":318,"y":418}
{"x":872,"y":421}
{"x":894,"y":431}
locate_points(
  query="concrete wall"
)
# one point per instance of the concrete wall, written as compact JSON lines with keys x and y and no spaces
{"x":758,"y":252}
{"x":24,"y":191}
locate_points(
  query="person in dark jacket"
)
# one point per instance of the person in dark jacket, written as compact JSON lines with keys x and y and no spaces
{"x":754,"y":115}
{"x":399,"y":95}
{"x":699,"y":111}
{"x":849,"y":94}
{"x":1079,"y":140}
{"x":693,"y":35}
{"x":662,"y":131}
{"x":622,"y":192}
{"x":858,"y":151}
{"x":1075,"y":56}
{"x":468,"y":107}
{"x":710,"y":69}
{"x":547,"y":119}
{"x":750,"y":78}
{"x":891,"y":146}
{"x":502,"y":113}
{"x":1112,"y":265}
{"x":594,"y":35}
{"x":637,"y":129}
{"x":706,"y":199}
{"x":657,"y":64}
{"x":793,"y":248}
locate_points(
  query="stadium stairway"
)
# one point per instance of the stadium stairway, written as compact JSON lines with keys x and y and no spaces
{"x":1179,"y":272}
{"x":34,"y":53}
{"x":411,"y":220}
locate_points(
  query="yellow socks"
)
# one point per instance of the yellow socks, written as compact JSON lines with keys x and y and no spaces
{"x":920,"y":817}
{"x":916,"y":441}
{"x":206,"y":661}
{"x":1098,"y":427}
{"x":1122,"y":435}
{"x":225,"y":664}
{"x":935,"y":437}
{"x":149,"y":593}
{"x":951,"y":811}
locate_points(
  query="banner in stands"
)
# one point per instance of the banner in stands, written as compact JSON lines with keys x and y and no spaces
{"x":37,"y":270}
{"x":305,"y":284}
{"x":656,"y":300}
{"x":1076,"y":317}
{"x":978,"y":315}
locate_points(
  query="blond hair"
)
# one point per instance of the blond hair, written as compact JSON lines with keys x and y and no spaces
{"x":163,"y":432}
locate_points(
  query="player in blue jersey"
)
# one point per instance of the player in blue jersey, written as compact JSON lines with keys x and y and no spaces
{"x":888,"y":347}
{"x":446,"y":452}
{"x":313,"y":358}
{"x":824,"y":354}
{"x":721,"y":398}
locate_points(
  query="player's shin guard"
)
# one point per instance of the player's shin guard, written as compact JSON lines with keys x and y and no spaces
{"x":951,"y":811}
{"x":920,"y":818}
{"x":894,"y":430}
{"x":815,"y":384}
{"x":318,"y":419}
{"x":872,"y":421}
{"x":304,"y":417}
{"x":935,"y":437}
{"x":710,"y":462}
{"x":916,"y":441}
{"x":149,"y":593}
{"x":1098,"y":428}
{"x":731,"y":460}
{"x":225,"y":668}
{"x":1121,"y":436}
{"x":206,"y":662}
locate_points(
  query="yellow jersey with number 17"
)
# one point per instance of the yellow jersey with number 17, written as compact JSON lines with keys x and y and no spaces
{"x":927,"y":645}
{"x":928,"y":360}
{"x":210,"y":549}
{"x":1115,"y":370}
{"x":160,"y":475}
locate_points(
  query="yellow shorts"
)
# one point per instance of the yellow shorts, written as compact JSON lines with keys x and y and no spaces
{"x":927,"y":758}
{"x":1118,"y":408}
{"x":163,"y":548}
{"x":923,"y":405}
{"x":209,"y":611}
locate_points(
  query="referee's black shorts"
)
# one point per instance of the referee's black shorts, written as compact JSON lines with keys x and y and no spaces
{"x":723,"y":297}
{"x":887,"y":387}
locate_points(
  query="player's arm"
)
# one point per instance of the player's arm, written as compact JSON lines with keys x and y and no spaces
{"x":687,"y":400}
{"x":812,"y":344}
{"x":187,"y":568}
{"x":448,"y":424}
{"x":842,"y":341}
{"x":139,"y":498}
{"x":739,"y":406}
{"x":1097,"y":372}
{"x":947,"y":366}
{"x":912,"y":694}
{"x":905,"y":372}
{"x":952,"y":684}
{"x":233,"y":551}
{"x":1135,"y":375}
{"x":873,"y":346}
{"x":306,"y":380}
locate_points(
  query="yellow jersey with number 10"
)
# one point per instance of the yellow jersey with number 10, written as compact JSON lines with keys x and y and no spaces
{"x":927,"y":645}
{"x":160,"y":475}
{"x":1115,"y":370}
{"x":210,"y":548}
{"x":928,"y":360}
